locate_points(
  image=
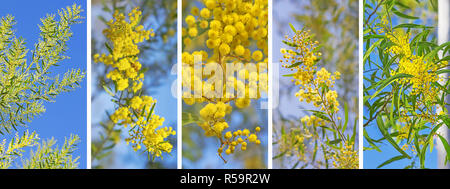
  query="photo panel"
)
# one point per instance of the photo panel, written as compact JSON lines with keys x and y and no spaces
{"x":406,"y":85}
{"x":315,"y":79}
{"x":133,"y":105}
{"x":224,"y":84}
{"x":43,"y":85}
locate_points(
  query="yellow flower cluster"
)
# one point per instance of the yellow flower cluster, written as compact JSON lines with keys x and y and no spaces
{"x":214,"y":124}
{"x":239,"y":137}
{"x":313,"y":121}
{"x":346,"y":158}
{"x":144,"y":126}
{"x":235,"y":32}
{"x":136,"y":113}
{"x":213,"y":116}
{"x":423,"y":75}
{"x":124,"y":36}
{"x":423,"y":72}
{"x":231,"y":26}
{"x":314,"y":86}
{"x":295,"y":142}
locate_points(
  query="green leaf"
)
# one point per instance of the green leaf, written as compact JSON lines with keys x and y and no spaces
{"x":292,"y":27}
{"x":396,"y":158}
{"x":388,"y":137}
{"x":345,"y":116}
{"x":280,"y":155}
{"x":398,"y":13}
{"x":107,"y":90}
{"x":436,"y":50}
{"x":369,"y":51}
{"x":446,"y":146}
{"x":386,"y":82}
{"x":109,"y":48}
{"x":337,"y":141}
{"x":412,"y":26}
{"x":295,"y":64}
{"x":188,"y":118}
{"x":370,"y":141}
{"x":288,"y":75}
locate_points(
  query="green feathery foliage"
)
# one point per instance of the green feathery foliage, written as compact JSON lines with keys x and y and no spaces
{"x":24,"y":80}
{"x":26,"y":83}
{"x":46,"y":157}
{"x":14,"y":149}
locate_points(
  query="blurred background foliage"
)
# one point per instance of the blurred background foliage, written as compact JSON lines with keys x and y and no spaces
{"x":158,"y":57}
{"x":334,"y":23}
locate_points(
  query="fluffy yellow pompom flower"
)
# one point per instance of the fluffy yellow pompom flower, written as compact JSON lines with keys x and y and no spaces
{"x":190,"y":20}
{"x":224,"y":49}
{"x":205,"y":13}
{"x":239,"y":50}
{"x":257,"y":55}
{"x":192,"y":32}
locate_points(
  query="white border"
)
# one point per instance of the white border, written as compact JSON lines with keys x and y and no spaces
{"x":360,"y":85}
{"x":88,"y":84}
{"x":179,"y":104}
{"x":269,"y":105}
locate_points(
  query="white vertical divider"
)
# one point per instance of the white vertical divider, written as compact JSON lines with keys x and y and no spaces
{"x":443,"y":37}
{"x":88,"y":84}
{"x":269,"y":96}
{"x":360,"y":86}
{"x":179,"y":78}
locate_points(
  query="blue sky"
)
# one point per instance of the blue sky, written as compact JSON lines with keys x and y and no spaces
{"x":373,"y":158}
{"x":68,"y":114}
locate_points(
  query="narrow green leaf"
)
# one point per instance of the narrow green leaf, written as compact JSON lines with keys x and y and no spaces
{"x":396,"y":158}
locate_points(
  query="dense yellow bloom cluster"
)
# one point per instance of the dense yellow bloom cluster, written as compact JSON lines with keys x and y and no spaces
{"x":423,"y":72}
{"x":235,"y":33}
{"x":124,"y":36}
{"x":214,"y":124}
{"x":346,"y":158}
{"x":144,"y":126}
{"x":313,"y":121}
{"x":314,"y":86}
{"x":423,"y":75}
{"x":137,"y":113}
{"x":231,"y":26}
